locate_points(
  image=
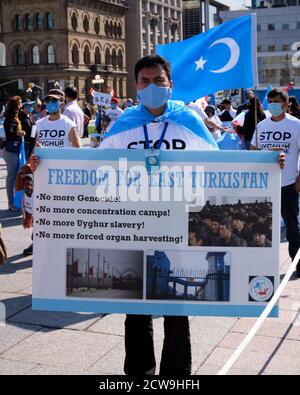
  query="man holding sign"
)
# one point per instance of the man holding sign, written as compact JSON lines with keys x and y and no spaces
{"x":161,"y":124}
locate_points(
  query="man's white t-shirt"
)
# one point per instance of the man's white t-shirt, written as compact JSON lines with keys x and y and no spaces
{"x":75,"y":113}
{"x":54,"y":134}
{"x":176,"y":138}
{"x":113,"y":115}
{"x":286,"y":135}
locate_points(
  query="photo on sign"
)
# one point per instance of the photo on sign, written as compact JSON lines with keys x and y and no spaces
{"x":228,"y":221}
{"x":188,"y":275}
{"x":104,"y":274}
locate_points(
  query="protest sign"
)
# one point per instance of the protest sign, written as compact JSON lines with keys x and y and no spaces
{"x":101,"y":99}
{"x":197,"y":236}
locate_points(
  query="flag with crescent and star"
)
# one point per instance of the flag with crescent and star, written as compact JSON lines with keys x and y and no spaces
{"x":224,"y":57}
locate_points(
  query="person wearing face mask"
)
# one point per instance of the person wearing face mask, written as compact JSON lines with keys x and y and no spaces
{"x":158,"y":123}
{"x":28,"y":125}
{"x":56,"y":130}
{"x":282,"y":131}
{"x":113,"y":113}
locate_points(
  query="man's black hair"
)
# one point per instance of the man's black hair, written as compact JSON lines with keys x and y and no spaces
{"x":152,"y":61}
{"x":227,"y":223}
{"x":278,"y":92}
{"x":71,"y":92}
{"x":199,"y":233}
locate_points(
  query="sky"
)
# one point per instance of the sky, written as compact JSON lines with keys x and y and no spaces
{"x":236,"y":4}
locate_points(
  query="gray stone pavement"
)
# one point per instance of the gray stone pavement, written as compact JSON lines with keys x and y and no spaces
{"x":37,"y":342}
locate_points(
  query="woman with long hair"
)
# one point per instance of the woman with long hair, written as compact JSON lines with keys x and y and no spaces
{"x":13,"y":134}
{"x":294,"y":108}
{"x":254,"y":115}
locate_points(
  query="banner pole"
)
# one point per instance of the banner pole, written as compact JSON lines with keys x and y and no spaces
{"x":253,"y":331}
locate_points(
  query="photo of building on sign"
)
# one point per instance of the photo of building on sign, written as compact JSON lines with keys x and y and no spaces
{"x":198,"y":276}
{"x":104,"y":274}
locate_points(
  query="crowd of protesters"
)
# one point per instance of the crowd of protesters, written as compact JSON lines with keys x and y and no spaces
{"x":232,"y":225}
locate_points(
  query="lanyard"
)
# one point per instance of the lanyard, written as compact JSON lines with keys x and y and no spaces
{"x":160,"y":140}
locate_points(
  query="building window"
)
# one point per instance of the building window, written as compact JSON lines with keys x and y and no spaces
{"x":50,"y":54}
{"x":106,"y":28}
{"x":97,"y":25}
{"x":115,"y":29}
{"x":120,"y":59}
{"x":75,"y":55}
{"x":18,"y":23}
{"x":259,"y":49}
{"x":86,"y":55}
{"x":285,"y":47}
{"x":20,"y":56}
{"x":49,"y":21}
{"x":28,"y":23}
{"x":38,"y":22}
{"x":107,"y":57}
{"x":111,"y":29}
{"x":114,"y":58}
{"x":74,"y":21}
{"x":120,"y":32}
{"x":298,"y":25}
{"x":35,"y":55}
{"x":97,"y":56}
{"x":258,"y":28}
{"x":271,"y":26}
{"x":121,"y":94}
{"x":285,"y":26}
{"x":86,"y":24}
{"x":271,"y":48}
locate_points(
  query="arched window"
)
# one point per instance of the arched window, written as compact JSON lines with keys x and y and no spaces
{"x":106,"y":28}
{"x":35,"y":55}
{"x":50,"y":54}
{"x":75,"y":55}
{"x":38,"y":22}
{"x":120,"y":32}
{"x":86,"y":55}
{"x":120,"y":59}
{"x":114,"y":57}
{"x":111,"y":29}
{"x":115,"y":29}
{"x":86,"y":24}
{"x":74,"y":21}
{"x":97,"y":56}
{"x":18,"y":23}
{"x":28,"y":23}
{"x":107,"y":57}
{"x":20,"y":56}
{"x":97,"y":25}
{"x":49,"y":21}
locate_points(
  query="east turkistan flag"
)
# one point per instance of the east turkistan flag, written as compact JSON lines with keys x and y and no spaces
{"x":225,"y":57}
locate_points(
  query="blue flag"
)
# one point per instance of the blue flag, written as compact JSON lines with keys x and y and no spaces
{"x":18,"y":198}
{"x":225,"y":57}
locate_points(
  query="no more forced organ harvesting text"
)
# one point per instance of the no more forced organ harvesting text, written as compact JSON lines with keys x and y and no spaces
{"x":170,"y":179}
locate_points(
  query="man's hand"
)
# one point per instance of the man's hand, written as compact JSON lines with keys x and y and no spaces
{"x":34,"y":162}
{"x":21,"y":133}
{"x":281,"y":160}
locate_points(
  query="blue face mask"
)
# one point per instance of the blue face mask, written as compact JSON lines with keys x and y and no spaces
{"x":154,"y":96}
{"x":275,"y":109}
{"x":53,"y":107}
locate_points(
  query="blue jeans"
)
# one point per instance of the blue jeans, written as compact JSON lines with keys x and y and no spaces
{"x":12,"y":164}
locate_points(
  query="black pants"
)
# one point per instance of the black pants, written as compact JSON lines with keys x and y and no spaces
{"x":176,"y":357}
{"x":290,"y":212}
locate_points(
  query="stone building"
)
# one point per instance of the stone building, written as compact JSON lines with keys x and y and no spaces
{"x":148,"y":23}
{"x":65,"y":41}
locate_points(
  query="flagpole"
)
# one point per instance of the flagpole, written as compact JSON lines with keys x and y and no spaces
{"x":256,"y":115}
